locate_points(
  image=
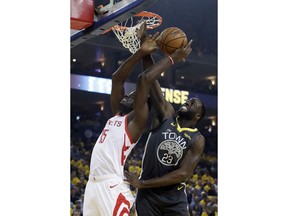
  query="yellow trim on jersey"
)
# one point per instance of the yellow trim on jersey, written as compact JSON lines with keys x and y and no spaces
{"x":184,"y":129}
{"x":173,"y":124}
{"x":182,"y":184}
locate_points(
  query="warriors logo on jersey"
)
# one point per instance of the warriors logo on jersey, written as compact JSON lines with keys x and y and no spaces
{"x":170,"y":151}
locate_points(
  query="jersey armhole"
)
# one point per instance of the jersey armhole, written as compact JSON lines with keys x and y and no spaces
{"x":126,"y":129}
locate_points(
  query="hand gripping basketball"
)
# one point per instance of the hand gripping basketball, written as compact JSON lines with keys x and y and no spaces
{"x":182,"y":52}
{"x":171,"y":39}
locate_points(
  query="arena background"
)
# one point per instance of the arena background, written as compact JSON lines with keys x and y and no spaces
{"x":248,"y":71}
{"x":94,"y":61}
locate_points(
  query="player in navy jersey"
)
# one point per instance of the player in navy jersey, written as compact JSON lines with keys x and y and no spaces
{"x":172,"y":151}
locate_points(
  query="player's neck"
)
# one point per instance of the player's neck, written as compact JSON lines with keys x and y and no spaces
{"x":187,"y":123}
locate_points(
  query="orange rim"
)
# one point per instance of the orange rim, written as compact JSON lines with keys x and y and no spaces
{"x":141,"y":14}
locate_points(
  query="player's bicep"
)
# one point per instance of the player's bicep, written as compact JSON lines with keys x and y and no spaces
{"x":117,"y":94}
{"x":138,"y":123}
{"x":163,"y":108}
{"x":141,"y":110}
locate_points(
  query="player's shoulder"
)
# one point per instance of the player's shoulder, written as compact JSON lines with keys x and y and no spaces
{"x":198,"y":144}
{"x":199,"y":140}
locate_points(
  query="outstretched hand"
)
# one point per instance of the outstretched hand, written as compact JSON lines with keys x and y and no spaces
{"x":133,"y":179}
{"x":182,"y":53}
{"x":150,"y":44}
{"x":141,"y":32}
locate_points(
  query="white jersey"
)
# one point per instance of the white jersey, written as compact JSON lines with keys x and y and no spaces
{"x":106,"y":192}
{"x":112,"y":148}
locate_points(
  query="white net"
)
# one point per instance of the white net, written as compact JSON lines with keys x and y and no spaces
{"x":127,"y":35}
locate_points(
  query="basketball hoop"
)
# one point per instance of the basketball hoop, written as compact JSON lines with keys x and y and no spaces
{"x":126,"y":31}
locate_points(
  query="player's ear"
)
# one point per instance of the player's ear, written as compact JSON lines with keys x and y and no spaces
{"x":198,"y":116}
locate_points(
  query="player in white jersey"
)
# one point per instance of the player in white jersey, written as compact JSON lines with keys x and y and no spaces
{"x":106,"y":193}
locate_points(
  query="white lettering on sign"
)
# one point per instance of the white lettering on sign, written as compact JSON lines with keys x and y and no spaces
{"x":175,"y":96}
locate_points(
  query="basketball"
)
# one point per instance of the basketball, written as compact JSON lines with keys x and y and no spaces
{"x":171,"y":39}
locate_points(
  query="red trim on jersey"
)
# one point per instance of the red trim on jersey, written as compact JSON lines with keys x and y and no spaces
{"x":124,"y":211}
{"x":124,"y":149}
{"x":126,"y":129}
{"x":121,"y":199}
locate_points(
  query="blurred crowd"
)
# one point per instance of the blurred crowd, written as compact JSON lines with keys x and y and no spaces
{"x":201,"y":188}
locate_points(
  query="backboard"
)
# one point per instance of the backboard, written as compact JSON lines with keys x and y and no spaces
{"x":89,"y":20}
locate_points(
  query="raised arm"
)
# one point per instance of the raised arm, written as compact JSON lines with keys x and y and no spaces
{"x":156,"y":96}
{"x":163,"y":108}
{"x":157,"y":99}
{"x":144,"y":83}
{"x":118,"y":79}
{"x":180,"y":175}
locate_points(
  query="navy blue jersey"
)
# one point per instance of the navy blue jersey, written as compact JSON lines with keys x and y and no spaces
{"x":165,"y":148}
